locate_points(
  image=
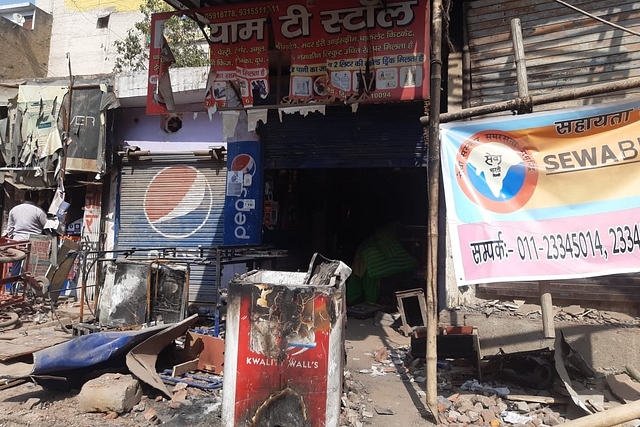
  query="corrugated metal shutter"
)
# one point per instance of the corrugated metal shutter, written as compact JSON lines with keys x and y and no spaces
{"x":564,"y":49}
{"x":383,"y":135}
{"x":174,"y":202}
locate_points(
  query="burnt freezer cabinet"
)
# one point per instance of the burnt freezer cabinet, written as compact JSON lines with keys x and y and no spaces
{"x":284,"y":349}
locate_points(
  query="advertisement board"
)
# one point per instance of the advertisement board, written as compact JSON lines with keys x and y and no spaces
{"x":553,"y":195}
{"x":243,"y":201}
{"x":338,"y":50}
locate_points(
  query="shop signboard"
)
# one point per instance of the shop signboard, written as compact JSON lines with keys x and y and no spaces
{"x":243,"y":200}
{"x":552,"y":195}
{"x":340,"y":50}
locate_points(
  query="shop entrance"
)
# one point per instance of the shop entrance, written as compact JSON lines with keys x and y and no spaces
{"x":337,"y":211}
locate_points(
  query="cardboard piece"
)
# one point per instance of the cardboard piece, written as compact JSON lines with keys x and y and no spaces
{"x":624,"y":387}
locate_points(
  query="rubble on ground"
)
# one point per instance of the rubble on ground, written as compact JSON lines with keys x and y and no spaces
{"x":571,"y":313}
{"x":464,"y":401}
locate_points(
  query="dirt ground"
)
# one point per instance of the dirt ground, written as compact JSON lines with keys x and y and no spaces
{"x":390,"y":399}
{"x":384,"y":387}
{"x":29,"y":404}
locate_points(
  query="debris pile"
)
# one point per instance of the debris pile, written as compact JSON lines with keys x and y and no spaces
{"x":464,"y":401}
{"x":572,"y":313}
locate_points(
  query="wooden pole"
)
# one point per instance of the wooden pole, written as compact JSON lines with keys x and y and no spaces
{"x":523,"y":93}
{"x":433,"y":196}
{"x":611,"y":417}
{"x":547,"y":98}
{"x":518,"y":52}
{"x":547,"y":309}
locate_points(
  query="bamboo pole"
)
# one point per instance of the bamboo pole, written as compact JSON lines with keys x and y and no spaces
{"x":547,"y":309}
{"x":611,"y":417}
{"x":547,"y":98}
{"x":433,"y":188}
{"x":518,"y":52}
{"x":523,"y":93}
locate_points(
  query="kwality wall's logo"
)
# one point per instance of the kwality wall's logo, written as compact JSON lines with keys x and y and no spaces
{"x":243,"y":203}
{"x":496,"y":171}
{"x":178,"y":202}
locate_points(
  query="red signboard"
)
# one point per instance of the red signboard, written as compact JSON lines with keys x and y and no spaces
{"x":340,"y":50}
{"x":355,"y":50}
{"x":239,"y":52}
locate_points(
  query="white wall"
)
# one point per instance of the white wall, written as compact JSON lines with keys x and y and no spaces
{"x":75,"y":31}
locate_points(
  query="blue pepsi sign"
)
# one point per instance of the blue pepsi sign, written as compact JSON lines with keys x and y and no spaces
{"x":244,"y":192}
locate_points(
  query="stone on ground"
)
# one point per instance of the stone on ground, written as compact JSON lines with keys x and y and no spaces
{"x":110,"y":393}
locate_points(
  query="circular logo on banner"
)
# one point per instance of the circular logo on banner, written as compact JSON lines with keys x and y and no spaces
{"x":178,"y":201}
{"x":243,"y":163}
{"x":496,"y":171}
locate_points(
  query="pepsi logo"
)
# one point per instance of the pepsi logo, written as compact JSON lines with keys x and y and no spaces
{"x":243,"y":163}
{"x":178,"y":201}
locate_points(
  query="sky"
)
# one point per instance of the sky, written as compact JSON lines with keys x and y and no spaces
{"x":6,"y":2}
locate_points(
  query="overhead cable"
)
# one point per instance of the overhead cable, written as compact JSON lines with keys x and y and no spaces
{"x":604,"y":21}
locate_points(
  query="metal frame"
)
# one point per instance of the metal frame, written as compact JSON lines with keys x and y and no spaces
{"x":419,"y":293}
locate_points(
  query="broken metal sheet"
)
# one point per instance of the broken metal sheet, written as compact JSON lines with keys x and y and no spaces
{"x":137,"y":292}
{"x":562,"y":351}
{"x":169,"y":292}
{"x":207,"y":349}
{"x":284,"y":408}
{"x":123,"y":298}
{"x":141,"y":360}
{"x":531,"y":369}
{"x":85,"y":153}
{"x":74,"y":358}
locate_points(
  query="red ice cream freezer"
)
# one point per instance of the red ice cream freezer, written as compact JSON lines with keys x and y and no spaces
{"x":284,"y":347}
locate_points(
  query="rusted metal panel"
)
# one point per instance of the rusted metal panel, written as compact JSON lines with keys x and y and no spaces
{"x":564,"y":49}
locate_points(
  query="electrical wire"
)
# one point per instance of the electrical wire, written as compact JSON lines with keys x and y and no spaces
{"x":604,"y":21}
{"x":34,"y":60}
{"x":15,"y":46}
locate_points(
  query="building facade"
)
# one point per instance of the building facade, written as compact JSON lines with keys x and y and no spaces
{"x":25,"y":35}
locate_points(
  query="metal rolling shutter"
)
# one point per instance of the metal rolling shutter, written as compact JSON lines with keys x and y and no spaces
{"x":381,"y":135}
{"x":174,"y":202}
{"x":564,"y":49}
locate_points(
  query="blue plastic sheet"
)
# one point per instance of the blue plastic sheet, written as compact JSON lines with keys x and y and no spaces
{"x":89,"y":350}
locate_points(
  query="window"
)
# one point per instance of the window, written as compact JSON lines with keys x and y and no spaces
{"x":103,"y":22}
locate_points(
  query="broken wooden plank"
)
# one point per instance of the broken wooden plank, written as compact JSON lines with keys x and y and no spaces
{"x":30,"y":344}
{"x":183,"y":368}
{"x":53,"y":323}
{"x":538,"y":399}
{"x":611,"y":417}
{"x":633,"y":372}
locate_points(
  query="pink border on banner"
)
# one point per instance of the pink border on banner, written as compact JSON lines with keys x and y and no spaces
{"x":556,"y":248}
